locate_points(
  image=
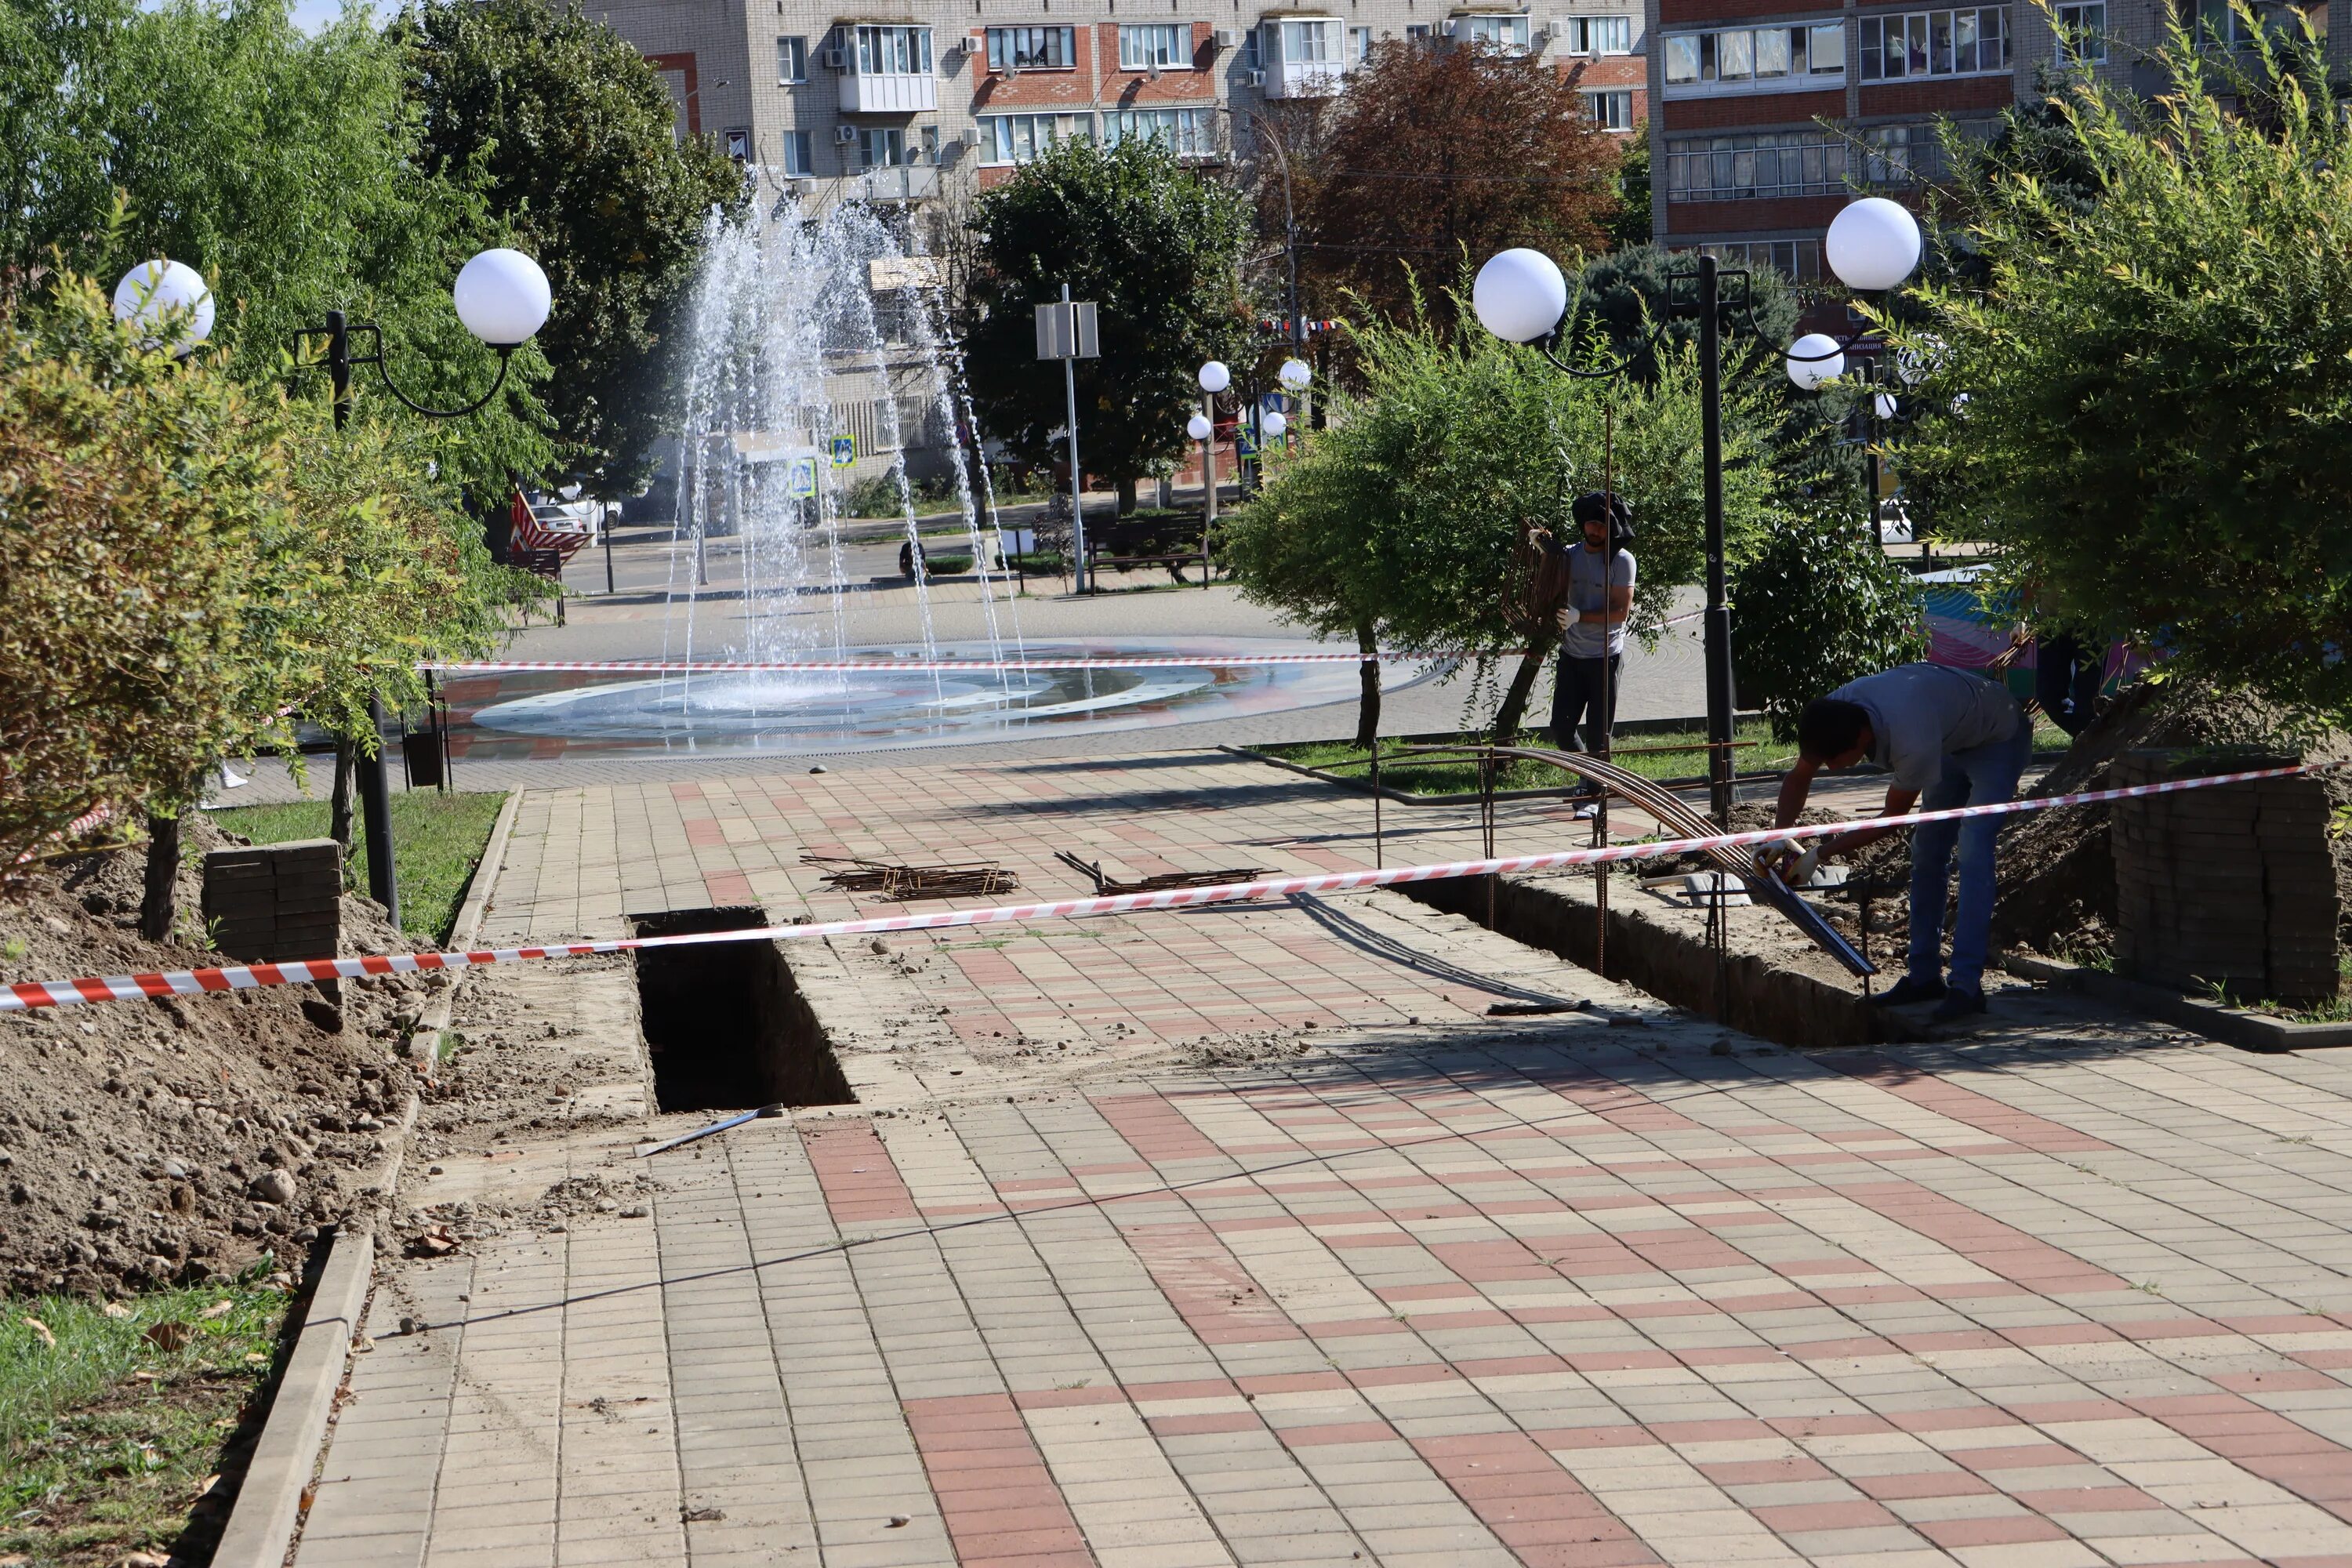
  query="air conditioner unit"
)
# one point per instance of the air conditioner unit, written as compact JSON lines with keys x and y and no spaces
{"x":969,"y":137}
{"x":1253,"y":79}
{"x":1228,"y":38}
{"x":836,"y":59}
{"x":844,"y":134}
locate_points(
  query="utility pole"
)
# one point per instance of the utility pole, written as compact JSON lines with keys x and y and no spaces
{"x":1718,"y":614}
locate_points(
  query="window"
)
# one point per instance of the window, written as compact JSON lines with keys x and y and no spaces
{"x":1508,"y":34}
{"x":1760,"y":164}
{"x":1418,"y":33}
{"x":1799,"y":259}
{"x":1019,"y":138}
{"x":894,"y":51}
{"x":1934,"y":43}
{"x":1253,"y":57}
{"x":1755,"y":59}
{"x":1598,"y":34}
{"x":800,"y":159}
{"x":2083,"y":33}
{"x":1359,"y":45}
{"x":881,"y":147}
{"x":1313,"y":42}
{"x":1188,"y":133}
{"x":1166,"y":45}
{"x":1610,"y":111}
{"x":1032,"y":49}
{"x":792,"y":61}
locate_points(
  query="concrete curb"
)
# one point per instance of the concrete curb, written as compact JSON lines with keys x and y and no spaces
{"x":269,"y":1501}
{"x":2231,"y":1026}
{"x":269,"y":1511}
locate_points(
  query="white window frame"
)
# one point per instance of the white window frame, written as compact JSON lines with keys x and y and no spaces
{"x":1189,"y":132}
{"x":800,"y":154}
{"x":1360,"y":46}
{"x":1029,"y":49}
{"x":1008,"y":141}
{"x":1723,"y":62}
{"x":1143,"y":45}
{"x":1597,"y":34}
{"x":792,"y":59}
{"x":1933,"y":38}
{"x":1509,"y":31}
{"x":1289,"y":36}
{"x":891,"y":49}
{"x":1601,"y":102}
{"x":886,"y":138}
{"x":2082,"y":41}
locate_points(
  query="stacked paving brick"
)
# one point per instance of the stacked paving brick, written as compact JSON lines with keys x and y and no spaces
{"x":269,"y":901}
{"x":2231,"y":887}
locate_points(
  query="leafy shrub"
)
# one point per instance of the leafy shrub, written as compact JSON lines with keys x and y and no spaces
{"x":1818,"y":606}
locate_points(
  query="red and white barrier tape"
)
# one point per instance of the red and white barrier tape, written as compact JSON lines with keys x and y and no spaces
{"x":186,"y":982}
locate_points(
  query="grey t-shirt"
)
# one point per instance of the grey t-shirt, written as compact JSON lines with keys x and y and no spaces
{"x":1585,"y":592}
{"x":1922,"y":713}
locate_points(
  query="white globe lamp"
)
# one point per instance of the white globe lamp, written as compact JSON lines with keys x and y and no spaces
{"x":1814,"y":359}
{"x":1274,"y":425}
{"x":1295,"y":374}
{"x":1198,"y":428}
{"x":1216,"y":377}
{"x":502,"y":297}
{"x":1519,"y":295}
{"x":153,"y":290}
{"x":1884,"y":403}
{"x":1915,"y":365}
{"x":1873,"y":244}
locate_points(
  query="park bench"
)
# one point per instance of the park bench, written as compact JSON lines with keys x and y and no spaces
{"x":1125,"y":544}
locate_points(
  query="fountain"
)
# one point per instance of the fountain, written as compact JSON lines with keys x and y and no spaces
{"x":793,"y":313}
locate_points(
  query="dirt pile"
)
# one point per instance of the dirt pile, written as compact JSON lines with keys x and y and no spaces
{"x":176,"y":1139}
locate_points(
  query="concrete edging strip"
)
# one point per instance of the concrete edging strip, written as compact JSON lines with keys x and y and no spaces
{"x":2237,"y":1027}
{"x":269,"y":1501}
{"x":268,"y":1509}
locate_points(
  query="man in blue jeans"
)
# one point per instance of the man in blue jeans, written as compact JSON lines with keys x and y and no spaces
{"x":1950,"y":738}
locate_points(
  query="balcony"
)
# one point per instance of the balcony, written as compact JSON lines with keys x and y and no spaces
{"x":907,"y":183}
{"x":889,"y":94}
{"x":1303,"y":57}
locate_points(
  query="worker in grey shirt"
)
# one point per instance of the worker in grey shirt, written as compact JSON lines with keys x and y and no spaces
{"x":1592,"y":625}
{"x":1950,"y":738}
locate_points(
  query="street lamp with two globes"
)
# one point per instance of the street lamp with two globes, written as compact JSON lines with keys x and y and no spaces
{"x":502,"y":298}
{"x":1521,"y":296}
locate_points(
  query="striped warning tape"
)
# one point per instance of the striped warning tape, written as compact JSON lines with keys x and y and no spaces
{"x":914,"y":666}
{"x":25,"y":995}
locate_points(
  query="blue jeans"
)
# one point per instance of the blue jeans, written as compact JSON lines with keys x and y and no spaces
{"x":1980,"y":777}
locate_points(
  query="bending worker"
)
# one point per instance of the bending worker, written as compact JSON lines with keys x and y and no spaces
{"x":1955,"y":738}
{"x":1592,"y":625}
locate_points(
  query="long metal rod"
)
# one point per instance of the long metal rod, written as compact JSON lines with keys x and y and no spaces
{"x":1077,"y":474}
{"x":1718,"y":614}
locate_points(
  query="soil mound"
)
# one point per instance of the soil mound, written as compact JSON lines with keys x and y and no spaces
{"x":178,"y":1139}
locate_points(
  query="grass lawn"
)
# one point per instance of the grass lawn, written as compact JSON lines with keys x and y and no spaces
{"x":1461,"y":777}
{"x":436,"y":839}
{"x":108,"y":1438}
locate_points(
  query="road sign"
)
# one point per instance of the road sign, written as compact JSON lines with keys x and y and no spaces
{"x":1275,"y":403}
{"x":1243,"y":446}
{"x":845,"y":451}
{"x":1067,"y":330}
{"x":801,"y":482}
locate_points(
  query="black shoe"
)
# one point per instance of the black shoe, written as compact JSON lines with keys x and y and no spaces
{"x":1959,"y":1003}
{"x":1906,"y":991}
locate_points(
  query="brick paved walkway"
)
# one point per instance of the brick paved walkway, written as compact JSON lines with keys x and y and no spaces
{"x":1418,"y":1287}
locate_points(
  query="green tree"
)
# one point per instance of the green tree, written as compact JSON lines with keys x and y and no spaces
{"x":1817,"y":606}
{"x":1154,"y":244}
{"x":277,"y":164}
{"x":1410,"y":505}
{"x":2148,"y":409}
{"x":1628,"y":293}
{"x":1630,"y":224}
{"x":560,"y":124}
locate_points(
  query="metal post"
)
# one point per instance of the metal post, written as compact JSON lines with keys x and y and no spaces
{"x":1209,"y":485}
{"x":1870,"y":455}
{"x":1719,"y":700}
{"x":604,"y":526}
{"x":1077,"y":480}
{"x":375,"y":789}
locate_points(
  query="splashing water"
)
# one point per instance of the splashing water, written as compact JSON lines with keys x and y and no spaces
{"x":786,"y":307}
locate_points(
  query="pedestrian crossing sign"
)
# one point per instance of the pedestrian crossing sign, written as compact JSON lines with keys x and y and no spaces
{"x":845,"y":451}
{"x":801,"y":482}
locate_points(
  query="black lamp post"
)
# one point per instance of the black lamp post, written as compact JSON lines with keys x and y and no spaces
{"x":503,"y":299}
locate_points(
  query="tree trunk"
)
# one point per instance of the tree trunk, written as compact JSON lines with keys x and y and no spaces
{"x":1126,"y":497}
{"x":156,"y":905}
{"x":339,"y":809}
{"x":1368,"y":708}
{"x":1507,"y":717}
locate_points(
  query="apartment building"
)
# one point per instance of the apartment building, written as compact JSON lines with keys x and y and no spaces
{"x":922,"y":101}
{"x":1741,"y":161}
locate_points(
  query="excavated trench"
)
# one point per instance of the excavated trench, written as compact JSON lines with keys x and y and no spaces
{"x":726,"y":1025}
